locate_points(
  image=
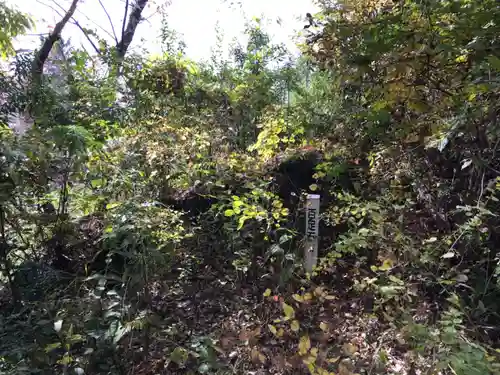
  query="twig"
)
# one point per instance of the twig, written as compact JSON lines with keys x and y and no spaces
{"x":110,"y":21}
{"x":95,"y":23}
{"x":75,"y":22}
{"x":482,"y":190}
{"x":51,"y":7}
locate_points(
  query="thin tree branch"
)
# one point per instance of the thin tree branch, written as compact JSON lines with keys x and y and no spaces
{"x":95,"y":23}
{"x":75,"y":22}
{"x":43,"y":53}
{"x":50,"y":6}
{"x":110,"y":21}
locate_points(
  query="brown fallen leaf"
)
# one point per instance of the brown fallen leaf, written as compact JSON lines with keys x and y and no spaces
{"x":349,"y":349}
{"x":346,"y":367}
{"x":279,"y":361}
{"x":257,"y":356}
{"x":251,"y":337}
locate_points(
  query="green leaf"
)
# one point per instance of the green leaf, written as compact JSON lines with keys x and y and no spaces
{"x":76,"y":339}
{"x":288,"y":310}
{"x":295,"y":326}
{"x":241,"y":222}
{"x":237,"y":204}
{"x":494,"y":62}
{"x":97,"y":182}
{"x":65,"y":360}
{"x":267,"y":293}
{"x":383,"y":357}
{"x":396,"y":280}
{"x":112,"y":205}
{"x":53,"y":346}
{"x":273,"y":329}
{"x":304,"y":345}
{"x":179,"y":356}
{"x":204,"y":368}
{"x":229,"y":213}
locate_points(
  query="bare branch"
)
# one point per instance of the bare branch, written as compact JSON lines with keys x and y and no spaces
{"x":75,"y":22}
{"x":43,"y":53}
{"x":128,"y":34}
{"x":51,"y":7}
{"x":95,"y":23}
{"x":124,"y":22}
{"x":110,"y":21}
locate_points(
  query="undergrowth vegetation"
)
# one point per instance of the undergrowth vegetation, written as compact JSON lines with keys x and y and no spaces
{"x":152,"y":207}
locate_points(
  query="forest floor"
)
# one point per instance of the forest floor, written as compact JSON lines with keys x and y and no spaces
{"x":236,"y":318}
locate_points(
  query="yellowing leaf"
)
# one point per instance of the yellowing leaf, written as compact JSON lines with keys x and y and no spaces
{"x":309,"y":360}
{"x":313,"y":187}
{"x":295,"y":326}
{"x":257,"y":356}
{"x":314,"y":352}
{"x":304,"y":345}
{"x":280,"y":332}
{"x":272,"y":329}
{"x":288,"y":310}
{"x":310,"y":366}
{"x":319,"y":291}
{"x":345,"y":367}
{"x":110,"y":206}
{"x":323,"y":326}
{"x":387,"y":265}
{"x":298,"y":298}
{"x":277,"y":204}
{"x":262,"y":358}
{"x":267,"y":293}
{"x":308,"y":297}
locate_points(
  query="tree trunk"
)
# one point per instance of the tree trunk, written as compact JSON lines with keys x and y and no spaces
{"x":128,"y":33}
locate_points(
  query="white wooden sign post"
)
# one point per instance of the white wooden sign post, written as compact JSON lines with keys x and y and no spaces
{"x":312,"y":231}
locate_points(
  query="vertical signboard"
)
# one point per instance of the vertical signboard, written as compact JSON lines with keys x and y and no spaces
{"x":312,"y":229}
